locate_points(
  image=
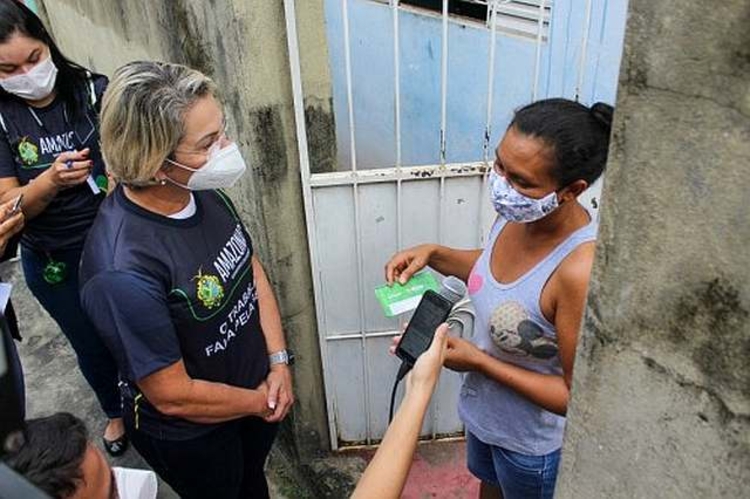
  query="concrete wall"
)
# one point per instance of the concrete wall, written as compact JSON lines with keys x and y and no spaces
{"x":661,"y":406}
{"x":242,"y":45}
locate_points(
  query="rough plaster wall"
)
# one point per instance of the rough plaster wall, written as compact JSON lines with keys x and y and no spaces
{"x":242,"y":45}
{"x":316,"y":81}
{"x":660,"y":401}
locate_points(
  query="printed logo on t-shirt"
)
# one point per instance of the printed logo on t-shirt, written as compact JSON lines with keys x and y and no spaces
{"x":55,"y":144}
{"x":236,"y":321}
{"x":209,"y":290}
{"x":228,"y":296}
{"x":28,"y":151}
{"x":513,"y":332}
{"x":232,"y":256}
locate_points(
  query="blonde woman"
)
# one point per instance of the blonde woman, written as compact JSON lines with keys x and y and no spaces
{"x":171,"y":280}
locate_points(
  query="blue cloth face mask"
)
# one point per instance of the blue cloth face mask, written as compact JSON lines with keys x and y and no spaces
{"x":514,"y":206}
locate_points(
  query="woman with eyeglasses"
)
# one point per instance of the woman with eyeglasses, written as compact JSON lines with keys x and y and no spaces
{"x":49,"y":153}
{"x":173,"y":283}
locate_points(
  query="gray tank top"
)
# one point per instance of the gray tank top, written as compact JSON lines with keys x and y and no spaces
{"x":510,"y":326}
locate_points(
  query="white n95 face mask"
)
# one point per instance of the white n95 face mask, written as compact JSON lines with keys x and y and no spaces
{"x":37,"y":84}
{"x":223,"y":169}
{"x":514,"y":206}
{"x":135,"y":484}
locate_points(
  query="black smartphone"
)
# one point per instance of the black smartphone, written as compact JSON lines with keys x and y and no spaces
{"x":432,"y":311}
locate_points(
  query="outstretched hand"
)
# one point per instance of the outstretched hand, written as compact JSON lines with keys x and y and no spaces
{"x":459,"y":355}
{"x":406,"y":263}
{"x":423,"y":377}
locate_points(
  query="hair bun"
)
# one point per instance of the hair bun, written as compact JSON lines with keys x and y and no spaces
{"x":603,"y":114}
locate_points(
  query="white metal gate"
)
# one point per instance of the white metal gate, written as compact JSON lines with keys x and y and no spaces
{"x":359,"y":216}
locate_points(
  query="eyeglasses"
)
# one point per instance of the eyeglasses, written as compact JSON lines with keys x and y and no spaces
{"x":206,"y":150}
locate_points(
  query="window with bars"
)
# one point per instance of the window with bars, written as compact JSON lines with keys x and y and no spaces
{"x":520,"y":17}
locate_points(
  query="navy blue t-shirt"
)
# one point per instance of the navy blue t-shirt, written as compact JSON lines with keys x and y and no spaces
{"x":28,"y":149}
{"x":159,"y":290}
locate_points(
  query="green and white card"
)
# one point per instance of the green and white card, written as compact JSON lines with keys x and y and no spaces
{"x":398,"y":299}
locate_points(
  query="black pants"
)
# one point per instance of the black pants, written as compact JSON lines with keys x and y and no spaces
{"x":226,"y":463}
{"x":63,"y":303}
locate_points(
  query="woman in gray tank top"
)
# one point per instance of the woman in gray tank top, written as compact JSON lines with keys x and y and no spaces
{"x":529,"y":286}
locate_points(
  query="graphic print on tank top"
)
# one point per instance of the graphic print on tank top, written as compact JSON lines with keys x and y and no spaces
{"x":514,"y":332}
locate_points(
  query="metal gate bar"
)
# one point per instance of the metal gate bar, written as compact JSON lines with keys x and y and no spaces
{"x":295,"y":68}
{"x":538,"y":56}
{"x":584,"y":46}
{"x":357,"y":222}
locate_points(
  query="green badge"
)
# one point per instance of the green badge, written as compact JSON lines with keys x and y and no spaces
{"x":55,"y":272}
{"x":398,"y":299}
{"x":28,"y":152}
{"x":102,"y":182}
{"x":209,"y":290}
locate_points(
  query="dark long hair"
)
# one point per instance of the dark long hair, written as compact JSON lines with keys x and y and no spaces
{"x":577,"y":135}
{"x":71,"y":83}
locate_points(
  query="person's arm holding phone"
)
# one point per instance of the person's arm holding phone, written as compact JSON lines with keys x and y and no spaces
{"x":11,"y":221}
{"x":69,"y":169}
{"x":432,"y":311}
{"x":386,"y":474}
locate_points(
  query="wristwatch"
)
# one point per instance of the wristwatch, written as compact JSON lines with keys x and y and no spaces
{"x":282,"y":357}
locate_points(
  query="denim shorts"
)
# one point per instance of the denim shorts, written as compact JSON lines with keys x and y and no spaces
{"x":519,"y":476}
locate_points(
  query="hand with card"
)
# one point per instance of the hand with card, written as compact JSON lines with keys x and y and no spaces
{"x":12,"y":221}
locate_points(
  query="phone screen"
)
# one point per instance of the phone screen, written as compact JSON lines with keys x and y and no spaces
{"x":432,"y":311}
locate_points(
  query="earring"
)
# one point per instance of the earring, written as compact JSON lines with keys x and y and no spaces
{"x":163,"y":181}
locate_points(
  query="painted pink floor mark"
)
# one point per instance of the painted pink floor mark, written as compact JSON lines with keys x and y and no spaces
{"x":439,"y":471}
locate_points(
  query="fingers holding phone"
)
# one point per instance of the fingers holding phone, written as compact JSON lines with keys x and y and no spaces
{"x":12,"y":220}
{"x":70,"y":168}
{"x":426,"y":370}
{"x":397,"y":339}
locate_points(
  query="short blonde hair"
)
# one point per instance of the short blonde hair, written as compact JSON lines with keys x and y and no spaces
{"x":142,"y":116}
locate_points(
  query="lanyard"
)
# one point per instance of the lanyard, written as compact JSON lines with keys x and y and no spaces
{"x":41,"y":124}
{"x":67,"y":122}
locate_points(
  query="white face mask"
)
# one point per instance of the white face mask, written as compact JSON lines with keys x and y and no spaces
{"x":135,"y":484}
{"x":514,"y":206}
{"x":223,"y":169}
{"x":35,"y":85}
